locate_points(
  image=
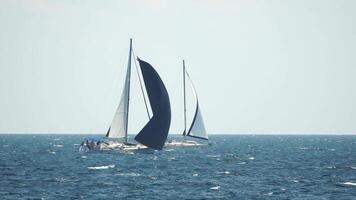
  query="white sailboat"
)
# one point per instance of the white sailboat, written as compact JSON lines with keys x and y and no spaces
{"x":197,"y":128}
{"x":155,"y":132}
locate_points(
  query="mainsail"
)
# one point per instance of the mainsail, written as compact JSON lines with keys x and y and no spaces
{"x":119,"y":124}
{"x":155,"y":132}
{"x":197,"y":128}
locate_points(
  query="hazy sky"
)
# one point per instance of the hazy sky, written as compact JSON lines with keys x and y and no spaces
{"x":273,"y":66}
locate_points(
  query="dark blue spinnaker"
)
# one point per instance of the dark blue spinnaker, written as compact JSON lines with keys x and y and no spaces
{"x":154,"y":134}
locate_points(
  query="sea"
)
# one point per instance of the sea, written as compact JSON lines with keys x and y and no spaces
{"x":231,"y":167}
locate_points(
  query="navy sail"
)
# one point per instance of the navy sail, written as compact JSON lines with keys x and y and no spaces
{"x":155,"y":132}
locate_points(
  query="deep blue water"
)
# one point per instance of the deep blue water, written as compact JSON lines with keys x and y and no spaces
{"x":232,"y":167}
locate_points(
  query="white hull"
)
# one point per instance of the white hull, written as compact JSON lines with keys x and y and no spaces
{"x":110,"y":145}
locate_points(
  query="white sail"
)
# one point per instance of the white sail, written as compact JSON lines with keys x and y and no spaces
{"x":119,"y":124}
{"x":197,"y":128}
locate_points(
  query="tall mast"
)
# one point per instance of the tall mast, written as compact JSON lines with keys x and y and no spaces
{"x":185,"y":107}
{"x":128,"y":95}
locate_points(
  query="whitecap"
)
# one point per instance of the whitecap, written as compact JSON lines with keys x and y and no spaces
{"x":242,"y":163}
{"x":331,"y":167}
{"x":349,"y":183}
{"x":213,"y":156}
{"x":83,"y":157}
{"x":102,"y":167}
{"x":352,"y":167}
{"x":270,"y":193}
{"x":225,"y":172}
{"x":215,"y":188}
{"x":52,"y":152}
{"x":295,"y":181}
{"x":332,"y":149}
{"x":128,"y":174}
{"x":303,"y":148}
{"x":56,"y":139}
{"x":195,"y":174}
{"x":251,"y":158}
{"x":58,"y":145}
{"x":169,"y":150}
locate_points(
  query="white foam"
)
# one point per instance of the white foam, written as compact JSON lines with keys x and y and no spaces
{"x":242,"y":163}
{"x":213,"y":156}
{"x":58,"y":145}
{"x":169,"y":150}
{"x":84,"y":157}
{"x":349,"y":183}
{"x":332,"y":149}
{"x":215,"y":188}
{"x":251,"y":158}
{"x":270,"y":193}
{"x":128,"y":174}
{"x":225,"y":172}
{"x":195,"y":174}
{"x":295,"y":181}
{"x":102,"y":167}
{"x":352,"y":167}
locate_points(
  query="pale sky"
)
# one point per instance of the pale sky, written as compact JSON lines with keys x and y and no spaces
{"x":277,"y":66}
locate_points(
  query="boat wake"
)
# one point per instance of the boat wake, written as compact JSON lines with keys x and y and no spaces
{"x":187,"y":143}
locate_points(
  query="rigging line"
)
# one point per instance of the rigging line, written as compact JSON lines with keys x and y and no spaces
{"x":139,"y":78}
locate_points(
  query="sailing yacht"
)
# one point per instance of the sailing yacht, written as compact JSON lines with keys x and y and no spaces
{"x":197,"y":128}
{"x":154,"y":134}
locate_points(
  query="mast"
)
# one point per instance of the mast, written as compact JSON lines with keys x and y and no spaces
{"x":128,"y":96}
{"x":185,"y":106}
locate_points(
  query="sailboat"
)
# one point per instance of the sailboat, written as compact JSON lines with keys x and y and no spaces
{"x":197,"y":128}
{"x":154,"y":133}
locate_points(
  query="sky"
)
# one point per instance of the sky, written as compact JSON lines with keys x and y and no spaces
{"x":277,"y":66}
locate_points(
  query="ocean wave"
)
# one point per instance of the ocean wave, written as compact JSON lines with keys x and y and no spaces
{"x":352,"y":167}
{"x":251,"y":158}
{"x":128,"y":174}
{"x":349,"y":183}
{"x":225,"y":172}
{"x":58,"y":145}
{"x":215,"y":188}
{"x":213,"y":156}
{"x":102,"y":167}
